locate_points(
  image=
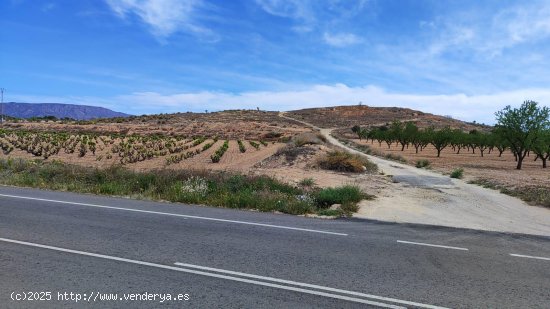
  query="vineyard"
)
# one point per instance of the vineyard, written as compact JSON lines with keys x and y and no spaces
{"x":232,"y":125}
{"x":105,"y":150}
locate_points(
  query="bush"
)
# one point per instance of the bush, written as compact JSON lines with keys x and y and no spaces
{"x":422,"y":164}
{"x":346,"y":162}
{"x":347,"y":194}
{"x":272,"y":134}
{"x":457,"y":173}
{"x":307,"y":182}
{"x":394,"y":157}
{"x":308,"y":139}
{"x":291,"y":152}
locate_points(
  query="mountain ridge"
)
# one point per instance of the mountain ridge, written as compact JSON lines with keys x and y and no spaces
{"x":58,"y":110}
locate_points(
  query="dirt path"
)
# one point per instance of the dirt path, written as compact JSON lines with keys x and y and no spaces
{"x":426,"y":197}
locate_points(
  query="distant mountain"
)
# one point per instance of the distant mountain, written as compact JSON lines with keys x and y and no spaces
{"x":59,"y":110}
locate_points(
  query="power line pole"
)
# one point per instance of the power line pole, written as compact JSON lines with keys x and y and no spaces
{"x":2,"y":106}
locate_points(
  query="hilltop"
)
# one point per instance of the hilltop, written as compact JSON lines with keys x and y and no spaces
{"x":363,"y":115}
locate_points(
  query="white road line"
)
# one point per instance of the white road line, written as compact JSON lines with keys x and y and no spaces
{"x":531,"y":257}
{"x":319,"y":287}
{"x":176,"y":215}
{"x":207,"y":274}
{"x":430,"y":245}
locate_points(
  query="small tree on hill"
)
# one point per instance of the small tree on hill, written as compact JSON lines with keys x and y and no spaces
{"x":522,"y":127}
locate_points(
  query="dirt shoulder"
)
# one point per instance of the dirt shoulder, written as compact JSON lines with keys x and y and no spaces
{"x":426,"y":197}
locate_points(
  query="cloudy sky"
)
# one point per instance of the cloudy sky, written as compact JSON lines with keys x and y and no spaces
{"x":461,"y":58}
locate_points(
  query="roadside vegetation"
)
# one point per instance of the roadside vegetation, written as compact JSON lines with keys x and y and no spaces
{"x":221,"y":189}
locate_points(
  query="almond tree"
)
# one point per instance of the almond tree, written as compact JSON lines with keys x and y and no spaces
{"x":441,"y":139}
{"x":522,"y":127}
{"x":542,"y":148}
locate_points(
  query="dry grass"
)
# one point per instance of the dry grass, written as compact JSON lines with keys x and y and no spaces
{"x":308,"y":138}
{"x":535,"y":195}
{"x":345,"y":162}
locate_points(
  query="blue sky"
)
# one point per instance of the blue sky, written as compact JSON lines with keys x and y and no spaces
{"x":461,"y":58}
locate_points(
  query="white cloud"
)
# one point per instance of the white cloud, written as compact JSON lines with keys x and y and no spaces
{"x":164,"y":17}
{"x":296,"y":9}
{"x":491,"y":35}
{"x":454,"y":36}
{"x":522,"y":24}
{"x":341,"y":39}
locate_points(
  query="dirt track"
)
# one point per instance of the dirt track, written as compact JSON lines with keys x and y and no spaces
{"x":426,"y":197}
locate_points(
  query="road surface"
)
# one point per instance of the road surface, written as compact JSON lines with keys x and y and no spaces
{"x":94,"y":246}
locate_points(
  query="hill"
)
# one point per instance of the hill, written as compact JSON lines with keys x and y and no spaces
{"x":58,"y":110}
{"x":363,"y":115}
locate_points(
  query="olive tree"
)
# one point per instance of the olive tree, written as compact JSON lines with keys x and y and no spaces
{"x":522,"y":127}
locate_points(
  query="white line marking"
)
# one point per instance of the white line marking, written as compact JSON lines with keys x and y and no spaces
{"x":430,"y":245}
{"x":207,"y":274}
{"x":319,"y":287}
{"x":531,"y":257}
{"x":176,"y":215}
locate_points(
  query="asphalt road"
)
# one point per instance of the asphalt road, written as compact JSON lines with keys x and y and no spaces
{"x":95,"y":246}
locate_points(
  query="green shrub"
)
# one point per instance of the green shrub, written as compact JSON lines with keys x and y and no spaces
{"x":422,"y":164}
{"x":457,"y":173}
{"x":307,"y":182}
{"x":350,"y":208}
{"x":339,"y":195}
